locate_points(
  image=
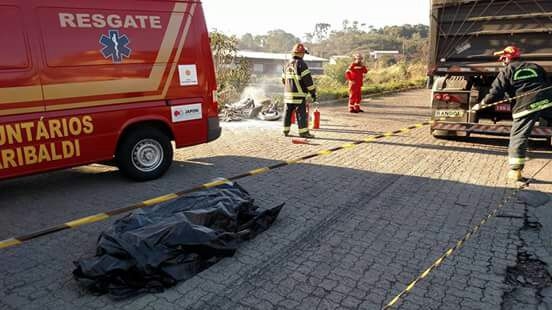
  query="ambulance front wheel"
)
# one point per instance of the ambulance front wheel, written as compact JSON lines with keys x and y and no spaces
{"x":144,"y":154}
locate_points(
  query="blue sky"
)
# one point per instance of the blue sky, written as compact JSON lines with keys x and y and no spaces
{"x":298,"y":17}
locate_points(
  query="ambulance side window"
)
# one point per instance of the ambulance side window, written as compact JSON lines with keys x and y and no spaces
{"x":14,"y":48}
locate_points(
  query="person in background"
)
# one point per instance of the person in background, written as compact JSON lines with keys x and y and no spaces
{"x":355,"y":75}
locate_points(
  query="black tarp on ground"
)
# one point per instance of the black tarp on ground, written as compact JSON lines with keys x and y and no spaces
{"x":153,"y":248}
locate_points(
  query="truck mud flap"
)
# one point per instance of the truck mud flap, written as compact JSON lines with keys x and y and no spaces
{"x":489,"y":129}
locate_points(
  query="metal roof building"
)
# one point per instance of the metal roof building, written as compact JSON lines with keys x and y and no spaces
{"x":263,"y":63}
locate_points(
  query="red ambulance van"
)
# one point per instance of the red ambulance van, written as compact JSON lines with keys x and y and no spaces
{"x":98,"y":80}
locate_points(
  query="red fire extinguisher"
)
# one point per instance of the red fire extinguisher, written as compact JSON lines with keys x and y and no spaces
{"x":293,"y":116}
{"x":316,"y":117}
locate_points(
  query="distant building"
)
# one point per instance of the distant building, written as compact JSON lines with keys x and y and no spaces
{"x":271,"y":64}
{"x":335,"y":59}
{"x":376,"y":54}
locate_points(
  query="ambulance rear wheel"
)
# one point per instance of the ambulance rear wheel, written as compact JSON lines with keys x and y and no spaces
{"x":144,"y":154}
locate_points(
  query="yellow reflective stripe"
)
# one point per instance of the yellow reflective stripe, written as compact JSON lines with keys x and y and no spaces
{"x":303,"y":130}
{"x":348,"y":145}
{"x":87,"y":220}
{"x":312,"y":87}
{"x":292,"y":94}
{"x":517,"y":161}
{"x":524,"y":74}
{"x":290,"y":76}
{"x":297,"y":84}
{"x":287,"y":128}
{"x":9,"y":242}
{"x":539,"y":106}
{"x":160,"y":199}
{"x":305,"y":73}
{"x":325,"y":152}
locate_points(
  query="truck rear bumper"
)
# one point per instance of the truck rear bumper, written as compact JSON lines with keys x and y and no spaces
{"x":491,"y":129}
{"x":214,"y":130}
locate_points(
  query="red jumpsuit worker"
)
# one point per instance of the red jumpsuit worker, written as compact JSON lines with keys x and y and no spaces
{"x":355,"y":76}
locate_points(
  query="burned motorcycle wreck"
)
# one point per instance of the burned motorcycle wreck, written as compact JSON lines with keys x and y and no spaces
{"x":249,"y":108}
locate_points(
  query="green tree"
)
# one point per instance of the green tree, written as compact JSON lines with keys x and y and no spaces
{"x":248,"y":42}
{"x":233,"y":73}
{"x":321,"y":31}
{"x":279,"y":41}
{"x":337,"y":71}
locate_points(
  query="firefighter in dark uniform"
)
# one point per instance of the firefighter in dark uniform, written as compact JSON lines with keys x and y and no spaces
{"x":530,"y":81}
{"x":298,"y":85}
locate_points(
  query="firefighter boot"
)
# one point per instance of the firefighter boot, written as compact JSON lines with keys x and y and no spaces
{"x":307,"y":135}
{"x":515,"y":175}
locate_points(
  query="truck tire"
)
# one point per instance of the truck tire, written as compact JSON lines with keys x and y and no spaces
{"x":144,"y":154}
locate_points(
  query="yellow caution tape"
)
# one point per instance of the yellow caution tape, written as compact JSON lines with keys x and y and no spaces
{"x":259,"y":171}
{"x":9,"y":242}
{"x":215,"y":183}
{"x":159,"y":199}
{"x":87,"y":220}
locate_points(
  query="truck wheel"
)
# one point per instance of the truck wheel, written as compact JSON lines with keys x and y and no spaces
{"x":144,"y":154}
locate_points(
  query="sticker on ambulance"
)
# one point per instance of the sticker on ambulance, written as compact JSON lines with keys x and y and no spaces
{"x":187,"y":112}
{"x":449,"y":113}
{"x":188,"y":75}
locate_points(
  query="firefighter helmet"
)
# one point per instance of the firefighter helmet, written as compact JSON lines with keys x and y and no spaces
{"x":299,"y":48}
{"x":509,"y":53}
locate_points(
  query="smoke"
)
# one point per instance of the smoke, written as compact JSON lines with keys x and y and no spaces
{"x":255,"y":92}
{"x":263,"y":90}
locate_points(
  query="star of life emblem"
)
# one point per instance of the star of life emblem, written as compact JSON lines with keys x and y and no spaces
{"x":115,"y":46}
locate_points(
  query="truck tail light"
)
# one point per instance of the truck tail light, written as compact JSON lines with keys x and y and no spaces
{"x":447,"y":98}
